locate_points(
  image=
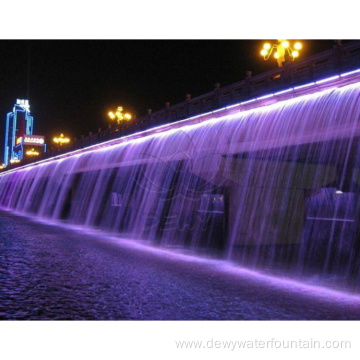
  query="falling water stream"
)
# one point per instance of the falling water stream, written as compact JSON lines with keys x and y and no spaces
{"x":274,"y":188}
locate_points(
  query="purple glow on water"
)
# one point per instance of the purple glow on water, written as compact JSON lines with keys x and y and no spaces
{"x":265,"y":172}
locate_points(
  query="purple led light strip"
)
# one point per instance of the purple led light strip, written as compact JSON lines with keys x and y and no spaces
{"x":163,"y":128}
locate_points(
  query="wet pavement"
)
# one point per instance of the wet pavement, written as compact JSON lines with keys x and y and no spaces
{"x":49,"y":272}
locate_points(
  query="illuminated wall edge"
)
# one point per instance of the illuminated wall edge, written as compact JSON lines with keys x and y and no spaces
{"x":318,"y":86}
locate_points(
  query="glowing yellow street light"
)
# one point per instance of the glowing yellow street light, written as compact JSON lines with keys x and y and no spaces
{"x":32,"y":152}
{"x":119,"y":115}
{"x":282,"y":49}
{"x":2,"y":166}
{"x":61,"y":140}
{"x":14,"y":161}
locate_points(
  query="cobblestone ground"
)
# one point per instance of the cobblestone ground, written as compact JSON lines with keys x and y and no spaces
{"x":47,"y":272}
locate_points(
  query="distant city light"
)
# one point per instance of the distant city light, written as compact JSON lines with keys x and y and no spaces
{"x":32,"y":152}
{"x":281,"y":50}
{"x":61,"y":140}
{"x":14,"y":161}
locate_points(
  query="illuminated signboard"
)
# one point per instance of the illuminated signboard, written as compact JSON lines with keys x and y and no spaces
{"x":24,"y":104}
{"x":34,"y":140}
{"x":18,"y":140}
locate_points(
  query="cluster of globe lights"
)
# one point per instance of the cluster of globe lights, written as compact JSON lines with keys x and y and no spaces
{"x":281,"y":49}
{"x":61,"y":139}
{"x":119,"y":115}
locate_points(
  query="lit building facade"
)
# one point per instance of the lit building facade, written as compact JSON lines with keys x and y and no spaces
{"x":19,"y":123}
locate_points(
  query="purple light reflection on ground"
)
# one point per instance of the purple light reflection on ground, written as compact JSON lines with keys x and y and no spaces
{"x":277,"y":282}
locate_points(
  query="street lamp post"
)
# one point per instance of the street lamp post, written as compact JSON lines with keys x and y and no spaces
{"x":281,"y":50}
{"x":60,"y":140}
{"x":119,"y":115}
{"x":32,"y":152}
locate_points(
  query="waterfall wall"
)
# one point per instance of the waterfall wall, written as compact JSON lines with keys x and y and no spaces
{"x":273,"y":187}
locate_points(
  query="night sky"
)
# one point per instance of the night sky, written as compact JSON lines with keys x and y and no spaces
{"x":72,"y":84}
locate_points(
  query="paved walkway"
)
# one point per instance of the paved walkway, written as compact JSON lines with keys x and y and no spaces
{"x":48,"y":272}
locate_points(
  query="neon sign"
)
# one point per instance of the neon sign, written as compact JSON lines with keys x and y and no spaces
{"x":34,"y":139}
{"x":24,"y":104}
